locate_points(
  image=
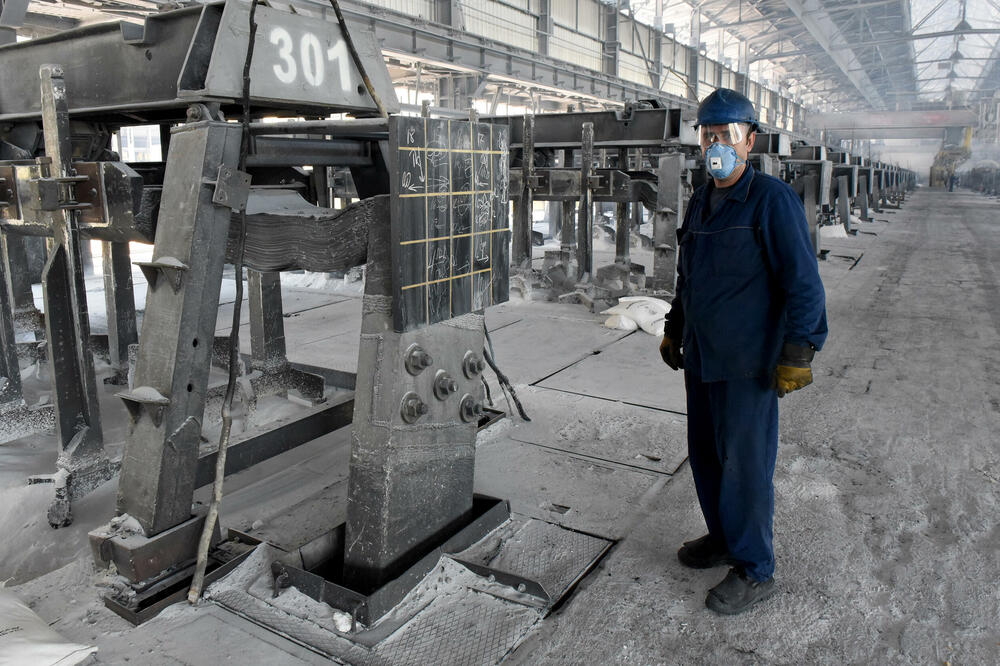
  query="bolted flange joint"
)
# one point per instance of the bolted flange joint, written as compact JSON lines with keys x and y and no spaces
{"x":444,"y":385}
{"x":412,"y":407}
{"x":416,"y":359}
{"x":472,"y":365}
{"x":470,"y":409}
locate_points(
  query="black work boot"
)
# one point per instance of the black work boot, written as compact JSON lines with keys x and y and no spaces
{"x":738,"y":592}
{"x":703,"y":553}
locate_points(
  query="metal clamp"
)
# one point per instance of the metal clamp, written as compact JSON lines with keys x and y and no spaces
{"x":232,"y":188}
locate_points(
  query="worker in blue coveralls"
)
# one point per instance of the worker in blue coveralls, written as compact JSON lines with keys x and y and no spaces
{"x":748,"y":315}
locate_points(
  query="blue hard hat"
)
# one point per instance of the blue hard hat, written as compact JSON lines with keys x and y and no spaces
{"x":726,"y":106}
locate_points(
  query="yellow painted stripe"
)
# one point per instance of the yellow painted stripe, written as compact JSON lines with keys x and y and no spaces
{"x":453,"y":277}
{"x":441,"y":238}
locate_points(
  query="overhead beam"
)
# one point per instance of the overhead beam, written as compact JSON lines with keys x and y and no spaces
{"x":871,"y":120}
{"x":826,"y":33}
{"x":902,"y":133}
{"x":877,"y":42}
{"x":989,"y":69}
{"x":848,"y":9}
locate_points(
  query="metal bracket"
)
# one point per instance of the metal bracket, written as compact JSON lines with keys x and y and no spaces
{"x":232,"y":188}
{"x":171,"y":268}
{"x":144,"y":397}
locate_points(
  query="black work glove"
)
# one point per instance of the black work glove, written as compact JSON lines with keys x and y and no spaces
{"x":670,"y":350}
{"x":793,"y":371}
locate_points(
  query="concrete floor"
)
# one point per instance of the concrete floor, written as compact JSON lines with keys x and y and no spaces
{"x":887,"y":483}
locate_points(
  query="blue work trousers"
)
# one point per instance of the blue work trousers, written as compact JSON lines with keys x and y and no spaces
{"x":732,"y":446}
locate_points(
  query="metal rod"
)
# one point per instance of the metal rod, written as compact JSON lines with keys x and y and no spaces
{"x":584,"y":235}
{"x":363,"y":128}
{"x":622,"y":218}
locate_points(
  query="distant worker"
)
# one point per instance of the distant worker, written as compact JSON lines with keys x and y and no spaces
{"x":748,"y":315}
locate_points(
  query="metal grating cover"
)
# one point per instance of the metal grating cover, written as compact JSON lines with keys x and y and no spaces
{"x":551,"y":555}
{"x":466,"y":628}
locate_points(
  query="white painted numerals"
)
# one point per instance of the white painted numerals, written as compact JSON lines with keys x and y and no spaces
{"x":286,"y":71}
{"x":311,"y":61}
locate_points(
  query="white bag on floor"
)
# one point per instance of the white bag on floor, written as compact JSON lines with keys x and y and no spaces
{"x":645,"y":312}
{"x":27,"y":639}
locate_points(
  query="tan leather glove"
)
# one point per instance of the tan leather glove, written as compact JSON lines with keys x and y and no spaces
{"x":793,"y":371}
{"x":670,"y":350}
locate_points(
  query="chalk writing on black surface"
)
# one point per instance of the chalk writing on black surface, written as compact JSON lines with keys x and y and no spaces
{"x":449,"y":220}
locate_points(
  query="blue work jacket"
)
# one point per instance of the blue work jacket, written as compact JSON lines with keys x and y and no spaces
{"x":747,"y":280}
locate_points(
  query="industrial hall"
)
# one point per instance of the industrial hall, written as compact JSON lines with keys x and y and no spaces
{"x":479,"y":332}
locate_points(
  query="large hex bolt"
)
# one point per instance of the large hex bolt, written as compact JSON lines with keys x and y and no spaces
{"x":470,"y":409}
{"x":417,"y":360}
{"x":444,"y":385}
{"x":412,"y":407}
{"x":472,"y":365}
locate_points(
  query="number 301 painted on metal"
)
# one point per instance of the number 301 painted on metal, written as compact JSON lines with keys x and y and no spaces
{"x":311,"y":56}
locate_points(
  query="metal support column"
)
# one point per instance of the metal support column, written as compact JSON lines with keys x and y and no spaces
{"x":553,"y":210}
{"x":546,"y":25}
{"x":810,"y":187}
{"x":863,"y":198}
{"x":172,"y":364}
{"x":81,"y":460}
{"x":669,"y":211}
{"x":10,"y":373}
{"x":584,"y":234}
{"x":119,"y":299}
{"x":416,"y":409}
{"x":271,"y":373}
{"x":15,"y":255}
{"x":844,"y":202}
{"x":521,"y":240}
{"x":267,"y":327}
{"x":622,"y":218}
{"x":567,"y":234}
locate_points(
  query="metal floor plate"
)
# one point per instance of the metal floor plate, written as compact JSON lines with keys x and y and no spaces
{"x":548,"y":554}
{"x":469,"y":627}
{"x":450,"y":618}
{"x":453,"y":616}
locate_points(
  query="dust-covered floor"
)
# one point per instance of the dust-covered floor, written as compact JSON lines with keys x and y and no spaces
{"x":887,"y":482}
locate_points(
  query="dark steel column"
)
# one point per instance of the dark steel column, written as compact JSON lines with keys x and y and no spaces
{"x":521,"y":240}
{"x":10,"y":374}
{"x":584,"y":234}
{"x":669,"y":211}
{"x":175,"y":346}
{"x":863,"y":197}
{"x":622,"y":218}
{"x":67,"y":326}
{"x":553,"y":211}
{"x":267,"y":327}
{"x":567,"y":234}
{"x":844,"y":202}
{"x":15,"y":256}
{"x":876,"y":200}
{"x":810,"y":187}
{"x":119,"y":300}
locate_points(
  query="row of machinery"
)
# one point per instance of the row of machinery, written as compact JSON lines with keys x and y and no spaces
{"x":429,"y":221}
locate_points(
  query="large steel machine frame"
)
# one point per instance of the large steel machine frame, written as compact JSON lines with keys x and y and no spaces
{"x":420,"y":387}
